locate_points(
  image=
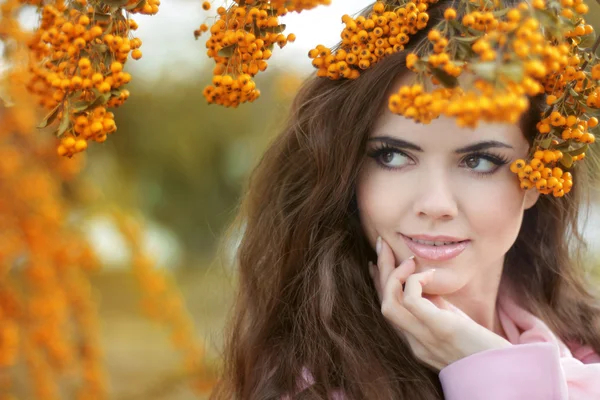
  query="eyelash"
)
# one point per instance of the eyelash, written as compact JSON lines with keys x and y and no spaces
{"x":386,"y":148}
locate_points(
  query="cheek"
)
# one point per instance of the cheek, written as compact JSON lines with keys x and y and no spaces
{"x":379,"y":202}
{"x":497,"y":213}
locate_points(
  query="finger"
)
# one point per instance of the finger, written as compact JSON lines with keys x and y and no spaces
{"x":437,"y":300}
{"x":404,"y":270}
{"x":421,"y":308}
{"x":392,"y":308}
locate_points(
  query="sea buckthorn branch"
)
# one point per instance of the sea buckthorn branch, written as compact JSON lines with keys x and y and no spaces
{"x":526,"y":63}
{"x":242,"y":39}
{"x":502,"y":55}
{"x":164,"y":303}
{"x":78,"y":57}
{"x":366,"y":40}
{"x":38,"y":322}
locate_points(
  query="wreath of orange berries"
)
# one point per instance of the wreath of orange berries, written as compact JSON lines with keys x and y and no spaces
{"x":510,"y":53}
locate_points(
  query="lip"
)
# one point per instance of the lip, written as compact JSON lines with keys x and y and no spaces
{"x":438,"y":238}
{"x":436,"y":253}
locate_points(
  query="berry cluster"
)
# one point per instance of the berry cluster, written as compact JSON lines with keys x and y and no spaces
{"x":242,"y":40}
{"x":78,"y":57}
{"x":366,"y":40}
{"x":507,"y":54}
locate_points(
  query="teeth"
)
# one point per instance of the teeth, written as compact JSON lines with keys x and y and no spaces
{"x":432,"y":243}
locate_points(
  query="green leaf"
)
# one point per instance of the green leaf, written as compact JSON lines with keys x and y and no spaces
{"x":445,"y":79}
{"x":486,"y":70}
{"x":549,"y":21}
{"x":115,"y":3}
{"x":587,"y":40}
{"x":275,"y":29}
{"x":545,"y":143}
{"x":566,"y":160}
{"x":574,"y":93}
{"x":457,"y":25}
{"x":577,"y":151}
{"x":227,"y":51}
{"x":139,"y":4}
{"x":463,"y":51}
{"x":75,"y":95}
{"x":514,"y":71}
{"x":502,"y":12}
{"x":471,"y":39}
{"x":562,"y":146}
{"x":64,"y":124}
{"x":101,"y":99}
{"x":102,"y":17}
{"x":100,"y":47}
{"x":49,"y":119}
{"x":80,"y":106}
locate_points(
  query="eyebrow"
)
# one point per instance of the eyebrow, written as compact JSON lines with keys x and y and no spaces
{"x":488,"y":144}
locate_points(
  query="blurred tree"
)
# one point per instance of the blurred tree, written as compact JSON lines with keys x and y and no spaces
{"x":182,"y":161}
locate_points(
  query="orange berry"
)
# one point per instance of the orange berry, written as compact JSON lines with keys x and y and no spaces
{"x":96,"y":127}
{"x":552,"y":182}
{"x":549,"y":157}
{"x":109,"y":125}
{"x":581,"y":8}
{"x":526,"y":184}
{"x":61,"y":150}
{"x":517,"y":165}
{"x":84,"y":63}
{"x":104,"y":87}
{"x":84,"y":20}
{"x":80,"y":145}
{"x":450,"y":14}
{"x":68,"y":142}
{"x":97,"y":78}
{"x":136,"y":54}
{"x":557,"y":172}
{"x":551,"y":99}
{"x":541,"y":184}
{"x":116,"y":67}
{"x":95,"y":32}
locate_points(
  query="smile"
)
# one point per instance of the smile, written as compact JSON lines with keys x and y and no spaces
{"x":436,"y":248}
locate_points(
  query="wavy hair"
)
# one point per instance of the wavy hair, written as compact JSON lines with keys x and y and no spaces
{"x":305,"y":298}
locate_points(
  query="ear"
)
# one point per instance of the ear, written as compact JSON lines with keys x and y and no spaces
{"x":531,"y":197}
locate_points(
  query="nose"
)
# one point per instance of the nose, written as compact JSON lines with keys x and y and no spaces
{"x":436,"y":196}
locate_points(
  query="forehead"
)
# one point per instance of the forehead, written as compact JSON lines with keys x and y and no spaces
{"x":443,"y":131}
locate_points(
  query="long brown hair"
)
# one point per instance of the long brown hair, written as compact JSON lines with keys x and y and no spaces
{"x":305,"y":297}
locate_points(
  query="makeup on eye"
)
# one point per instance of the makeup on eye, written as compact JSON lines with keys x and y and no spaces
{"x":384,"y":149}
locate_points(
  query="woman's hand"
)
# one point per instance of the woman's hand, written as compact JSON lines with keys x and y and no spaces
{"x":438,"y":332}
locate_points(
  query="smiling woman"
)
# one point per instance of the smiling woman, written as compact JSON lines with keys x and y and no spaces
{"x":387,"y":259}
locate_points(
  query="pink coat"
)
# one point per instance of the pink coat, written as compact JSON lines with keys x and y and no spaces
{"x":538,"y":367}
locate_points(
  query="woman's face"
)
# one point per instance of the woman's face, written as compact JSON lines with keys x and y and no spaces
{"x":442,"y":183}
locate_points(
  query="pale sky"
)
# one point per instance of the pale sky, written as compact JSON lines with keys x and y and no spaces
{"x":169,"y":46}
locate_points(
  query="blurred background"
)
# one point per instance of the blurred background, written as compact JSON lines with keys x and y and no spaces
{"x":180,"y":165}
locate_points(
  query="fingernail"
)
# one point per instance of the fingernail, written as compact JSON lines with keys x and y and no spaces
{"x":378,"y":245}
{"x":411,"y":258}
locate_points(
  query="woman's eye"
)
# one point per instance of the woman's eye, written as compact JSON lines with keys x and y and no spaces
{"x":393,"y":159}
{"x":480,"y":164}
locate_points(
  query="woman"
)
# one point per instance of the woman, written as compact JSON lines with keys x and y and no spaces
{"x":384,"y":259}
